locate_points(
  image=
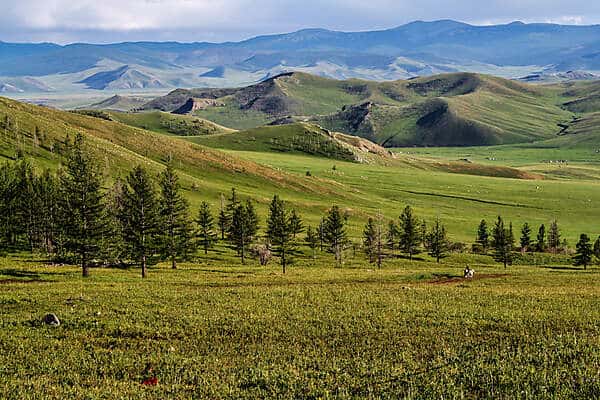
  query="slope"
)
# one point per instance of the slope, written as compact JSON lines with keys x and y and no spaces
{"x":119,"y":147}
{"x":161,"y":122}
{"x":299,"y":138}
{"x":451,"y":109}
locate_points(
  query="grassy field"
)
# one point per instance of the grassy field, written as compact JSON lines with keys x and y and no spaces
{"x":214,"y":329}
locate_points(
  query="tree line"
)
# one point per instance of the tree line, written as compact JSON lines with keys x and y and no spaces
{"x":142,"y":220}
{"x":501,"y":240}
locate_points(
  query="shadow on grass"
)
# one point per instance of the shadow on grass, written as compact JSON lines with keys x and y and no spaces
{"x":563,"y":268}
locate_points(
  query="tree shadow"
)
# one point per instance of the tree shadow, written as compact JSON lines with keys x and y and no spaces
{"x":564,"y":268}
{"x":15,"y":273}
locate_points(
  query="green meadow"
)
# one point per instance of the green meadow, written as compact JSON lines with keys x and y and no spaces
{"x":215,"y":329}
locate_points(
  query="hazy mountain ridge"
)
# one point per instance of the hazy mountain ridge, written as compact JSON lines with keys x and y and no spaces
{"x":415,"y":49}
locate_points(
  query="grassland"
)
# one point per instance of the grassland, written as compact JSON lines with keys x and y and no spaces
{"x":214,"y":329}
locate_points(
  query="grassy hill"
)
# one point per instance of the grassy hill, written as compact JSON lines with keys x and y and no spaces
{"x":161,"y":122}
{"x":459,"y":192}
{"x":119,"y":147}
{"x":444,"y":110}
{"x":117,"y":103}
{"x":298,"y":138}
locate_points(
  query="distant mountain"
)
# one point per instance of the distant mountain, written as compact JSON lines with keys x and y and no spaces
{"x":117,"y":103}
{"x":416,"y":49}
{"x":122,"y":78}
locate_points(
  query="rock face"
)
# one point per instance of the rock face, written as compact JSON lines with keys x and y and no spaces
{"x":51,"y":320}
{"x":194,"y":104}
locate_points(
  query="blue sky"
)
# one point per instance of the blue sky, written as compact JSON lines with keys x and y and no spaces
{"x":102,"y":21}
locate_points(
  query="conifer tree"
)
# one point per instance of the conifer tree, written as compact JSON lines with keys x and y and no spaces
{"x":312,"y":240}
{"x":205,"y":221}
{"x":554,"y":237}
{"x":48,"y":211}
{"x":84,"y":218}
{"x":541,"y":239}
{"x":280,"y":230}
{"x":334,"y":229}
{"x":140,"y":217}
{"x":373,"y":240}
{"x":437,"y":241}
{"x":584,"y":252}
{"x":114,"y":244}
{"x":423,"y":233}
{"x":596,"y":249}
{"x":483,"y":236}
{"x":525,"y":240}
{"x":409,"y":232}
{"x":392,"y":235}
{"x":321,"y":233}
{"x":223,"y":219}
{"x":243,"y":228}
{"x":296,"y":225}
{"x":502,"y":243}
{"x":175,"y":237}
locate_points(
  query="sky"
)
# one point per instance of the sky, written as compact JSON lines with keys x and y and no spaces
{"x":105,"y":21}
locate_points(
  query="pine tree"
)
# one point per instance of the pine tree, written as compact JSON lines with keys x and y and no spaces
{"x":48,"y":188}
{"x":554,"y":237}
{"x":312,"y":240}
{"x":525,"y":240}
{"x":423,"y":233}
{"x":223,"y":219}
{"x":597,"y":249}
{"x":280,"y":230}
{"x":409,"y":233}
{"x":296,"y":225}
{"x":334,"y":229}
{"x":437,"y":241}
{"x":392,"y":235}
{"x":584,"y":252}
{"x":205,"y":221}
{"x":502,"y":243}
{"x":84,"y":218}
{"x":24,"y":201}
{"x":373,"y":240}
{"x":483,"y":236}
{"x":175,"y":239}
{"x":321,"y":233}
{"x":7,"y":203}
{"x":541,"y":239}
{"x":114,"y":244}
{"x":243,"y":228}
{"x":140,"y":217}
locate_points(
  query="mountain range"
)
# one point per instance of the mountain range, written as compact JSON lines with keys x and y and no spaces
{"x":532,"y":51}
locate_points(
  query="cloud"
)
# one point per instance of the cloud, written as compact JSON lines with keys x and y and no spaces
{"x":217,"y":20}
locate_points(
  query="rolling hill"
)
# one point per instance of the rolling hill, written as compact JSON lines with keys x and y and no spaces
{"x":459,"y":109}
{"x":119,"y":147}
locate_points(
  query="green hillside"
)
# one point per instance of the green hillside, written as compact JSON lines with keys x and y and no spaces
{"x":161,"y":122}
{"x":298,"y":138}
{"x":444,"y":110}
{"x":460,"y":192}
